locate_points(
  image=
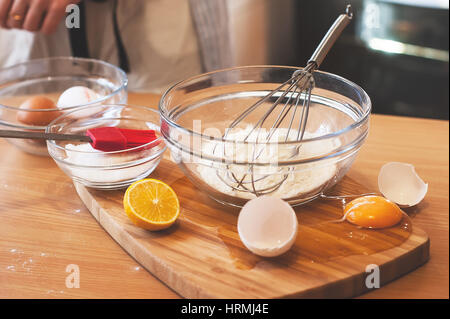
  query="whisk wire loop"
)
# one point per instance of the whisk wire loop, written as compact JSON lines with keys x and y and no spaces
{"x":293,"y":94}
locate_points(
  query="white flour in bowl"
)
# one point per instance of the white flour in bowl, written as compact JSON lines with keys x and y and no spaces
{"x":108,"y":172}
{"x":299,"y":179}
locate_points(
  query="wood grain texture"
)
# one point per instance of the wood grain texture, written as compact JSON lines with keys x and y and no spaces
{"x":43,"y":219}
{"x":201,"y":256}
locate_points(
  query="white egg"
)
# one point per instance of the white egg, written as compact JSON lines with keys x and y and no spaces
{"x":77,"y":95}
{"x":400,"y":183}
{"x":267,"y":226}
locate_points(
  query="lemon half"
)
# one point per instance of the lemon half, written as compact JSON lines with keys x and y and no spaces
{"x":151,"y":204}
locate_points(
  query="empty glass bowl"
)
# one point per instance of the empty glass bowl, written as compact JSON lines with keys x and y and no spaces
{"x":106,"y":170}
{"x":50,"y":77}
{"x":196,"y":113}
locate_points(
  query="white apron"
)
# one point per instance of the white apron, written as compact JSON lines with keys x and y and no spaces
{"x":160,"y":41}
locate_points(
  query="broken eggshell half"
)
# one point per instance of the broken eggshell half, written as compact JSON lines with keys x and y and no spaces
{"x":267,"y":226}
{"x":400,"y":183}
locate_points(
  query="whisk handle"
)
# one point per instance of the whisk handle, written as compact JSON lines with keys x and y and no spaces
{"x":330,"y":37}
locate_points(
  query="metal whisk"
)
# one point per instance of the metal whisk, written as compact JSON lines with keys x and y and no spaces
{"x":296,"y":91}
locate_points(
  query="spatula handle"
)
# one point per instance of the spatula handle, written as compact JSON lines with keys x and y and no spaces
{"x":44,"y":136}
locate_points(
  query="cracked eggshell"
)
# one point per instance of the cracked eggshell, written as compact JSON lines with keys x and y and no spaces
{"x":267,"y":226}
{"x":400,"y":183}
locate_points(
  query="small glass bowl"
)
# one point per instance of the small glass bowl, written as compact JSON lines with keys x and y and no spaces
{"x":106,"y":170}
{"x":50,"y":77}
{"x":197,"y":112}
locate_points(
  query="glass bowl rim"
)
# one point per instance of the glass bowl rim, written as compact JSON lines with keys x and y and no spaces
{"x":51,"y":143}
{"x":363,"y":118}
{"x":124,"y":82}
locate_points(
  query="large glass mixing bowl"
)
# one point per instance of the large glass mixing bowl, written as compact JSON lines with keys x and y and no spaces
{"x":197,"y":112}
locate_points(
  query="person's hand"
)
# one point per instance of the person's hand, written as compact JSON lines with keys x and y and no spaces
{"x":33,"y":15}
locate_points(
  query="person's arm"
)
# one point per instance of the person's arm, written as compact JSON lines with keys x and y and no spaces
{"x":33,"y":15}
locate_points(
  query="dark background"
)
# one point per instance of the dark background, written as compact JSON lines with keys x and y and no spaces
{"x":411,"y":81}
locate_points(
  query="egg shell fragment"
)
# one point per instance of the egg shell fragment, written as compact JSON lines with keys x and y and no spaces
{"x":267,"y":226}
{"x":400,"y":183}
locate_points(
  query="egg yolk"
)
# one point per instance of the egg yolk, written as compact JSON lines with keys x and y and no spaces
{"x":373,"y":212}
{"x":29,"y":114}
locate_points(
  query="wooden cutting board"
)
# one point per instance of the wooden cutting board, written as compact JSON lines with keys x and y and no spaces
{"x":201,"y":256}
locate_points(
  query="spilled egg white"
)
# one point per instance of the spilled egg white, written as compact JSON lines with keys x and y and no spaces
{"x":267,"y":226}
{"x":400,"y":183}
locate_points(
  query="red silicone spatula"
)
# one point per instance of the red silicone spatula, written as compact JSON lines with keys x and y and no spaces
{"x":105,"y":139}
{"x":114,"y":139}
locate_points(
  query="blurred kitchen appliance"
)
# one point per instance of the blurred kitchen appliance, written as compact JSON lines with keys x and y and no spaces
{"x":397,"y":50}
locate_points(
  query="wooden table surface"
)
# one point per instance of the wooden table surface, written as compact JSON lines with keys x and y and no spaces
{"x":44,"y":227}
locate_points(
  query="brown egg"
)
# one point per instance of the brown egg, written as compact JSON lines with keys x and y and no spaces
{"x":37,"y":118}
